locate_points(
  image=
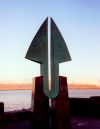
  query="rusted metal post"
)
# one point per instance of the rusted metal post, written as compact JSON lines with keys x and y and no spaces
{"x":1,"y":107}
{"x":61,"y":107}
{"x":40,"y":115}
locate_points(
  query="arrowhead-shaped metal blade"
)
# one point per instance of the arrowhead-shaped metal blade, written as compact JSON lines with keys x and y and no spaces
{"x":59,"y":54}
{"x":38,"y":50}
{"x":58,"y":45}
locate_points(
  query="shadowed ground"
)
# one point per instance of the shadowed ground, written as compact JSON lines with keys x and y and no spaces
{"x":77,"y":123}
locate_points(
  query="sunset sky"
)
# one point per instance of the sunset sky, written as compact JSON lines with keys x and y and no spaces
{"x":79,"y":23}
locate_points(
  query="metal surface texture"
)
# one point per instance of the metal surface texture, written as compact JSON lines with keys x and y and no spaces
{"x":38,"y":52}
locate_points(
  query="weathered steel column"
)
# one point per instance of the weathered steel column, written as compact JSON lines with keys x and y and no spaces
{"x":1,"y":107}
{"x":60,"y":105}
{"x":40,"y":115}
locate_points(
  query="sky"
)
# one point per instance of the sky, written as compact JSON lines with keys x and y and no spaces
{"x":77,"y":20}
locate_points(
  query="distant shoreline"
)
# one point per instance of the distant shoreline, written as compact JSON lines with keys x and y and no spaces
{"x":15,"y":89}
{"x":68,"y":89}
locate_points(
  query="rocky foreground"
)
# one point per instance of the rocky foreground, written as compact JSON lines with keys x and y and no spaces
{"x":85,"y":114}
{"x":76,"y":122}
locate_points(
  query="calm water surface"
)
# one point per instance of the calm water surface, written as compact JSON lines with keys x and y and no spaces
{"x":21,"y":99}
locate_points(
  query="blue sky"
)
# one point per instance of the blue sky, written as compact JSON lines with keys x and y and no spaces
{"x":79,"y":23}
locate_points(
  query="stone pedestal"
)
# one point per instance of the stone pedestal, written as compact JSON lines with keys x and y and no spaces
{"x":60,"y":105}
{"x":40,"y":115}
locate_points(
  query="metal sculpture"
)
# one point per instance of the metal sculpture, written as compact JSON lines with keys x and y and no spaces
{"x":38,"y":52}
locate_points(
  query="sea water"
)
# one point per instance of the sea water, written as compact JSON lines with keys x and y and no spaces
{"x":21,"y":99}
